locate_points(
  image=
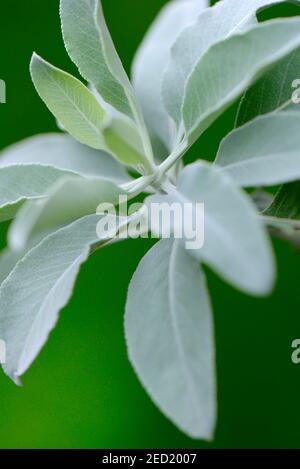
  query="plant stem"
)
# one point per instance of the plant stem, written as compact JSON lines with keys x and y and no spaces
{"x":175,"y":156}
{"x":138,"y":185}
{"x":148,"y":161}
{"x":284,"y":229}
{"x":157,"y":173}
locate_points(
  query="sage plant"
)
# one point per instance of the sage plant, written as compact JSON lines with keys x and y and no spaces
{"x":119,"y":138}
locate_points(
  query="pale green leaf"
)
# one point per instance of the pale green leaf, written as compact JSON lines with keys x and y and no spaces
{"x":122,"y":139}
{"x":236,"y":245}
{"x":90,"y":46}
{"x":70,"y":101}
{"x":21,"y":182}
{"x":69,"y":199}
{"x":149,"y":64}
{"x":170,"y":337}
{"x":226,"y":18}
{"x":242,"y":59}
{"x":9,"y":258}
{"x":80,"y":113}
{"x":64,"y":152}
{"x":36,"y":290}
{"x":265,"y":151}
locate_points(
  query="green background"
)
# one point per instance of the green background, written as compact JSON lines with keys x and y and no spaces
{"x":81,"y":392}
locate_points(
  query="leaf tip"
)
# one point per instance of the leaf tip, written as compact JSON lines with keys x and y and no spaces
{"x":16,"y":379}
{"x":13,"y":375}
{"x":34,"y":62}
{"x":34,"y":58}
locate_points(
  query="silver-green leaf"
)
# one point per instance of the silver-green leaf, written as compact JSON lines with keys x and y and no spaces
{"x":90,"y":46}
{"x":69,"y":199}
{"x":170,"y":337}
{"x":36,"y":290}
{"x":63,"y":152}
{"x":226,"y":18}
{"x":236,"y":245}
{"x":265,"y":151}
{"x":71,"y":102}
{"x":242,"y":59}
{"x":149,"y":64}
{"x":22,"y":182}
